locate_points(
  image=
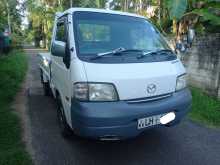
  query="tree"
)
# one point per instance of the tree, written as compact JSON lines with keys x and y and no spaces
{"x":93,"y":3}
{"x":209,"y":13}
{"x":42,"y":12}
{"x":167,"y":13}
{"x":11,"y":14}
{"x":176,"y":9}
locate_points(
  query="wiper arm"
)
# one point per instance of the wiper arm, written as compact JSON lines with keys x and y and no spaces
{"x":154,"y":53}
{"x":115,"y":52}
{"x":146,"y":54}
{"x":164,"y":50}
{"x":112,"y":52}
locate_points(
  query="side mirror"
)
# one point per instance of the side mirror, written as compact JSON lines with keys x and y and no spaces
{"x":58,"y":49}
{"x":190,"y":36}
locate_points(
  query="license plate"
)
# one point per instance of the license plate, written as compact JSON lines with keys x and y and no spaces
{"x":149,"y":121}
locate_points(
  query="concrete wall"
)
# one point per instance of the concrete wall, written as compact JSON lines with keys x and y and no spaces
{"x":202,"y":62}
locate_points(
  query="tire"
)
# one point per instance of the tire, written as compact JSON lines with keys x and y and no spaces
{"x":64,"y":127}
{"x":46,"y":85}
{"x":46,"y":88}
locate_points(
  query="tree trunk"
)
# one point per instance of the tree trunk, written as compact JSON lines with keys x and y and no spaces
{"x":37,"y":42}
{"x":140,"y":5}
{"x":44,"y":35}
{"x":174,"y":26}
{"x":98,"y":4}
{"x":159,"y":12}
{"x":125,"y":6}
{"x":9,"y":20}
{"x":71,"y":3}
{"x":47,"y":36}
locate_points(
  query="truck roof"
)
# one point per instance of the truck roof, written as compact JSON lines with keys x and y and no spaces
{"x":72,"y":10}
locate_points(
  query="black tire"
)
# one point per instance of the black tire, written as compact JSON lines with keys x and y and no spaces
{"x":64,"y":127}
{"x":46,"y":88}
{"x":46,"y":85}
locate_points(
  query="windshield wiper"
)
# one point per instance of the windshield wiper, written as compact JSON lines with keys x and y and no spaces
{"x":154,"y":53}
{"x":117,"y":52}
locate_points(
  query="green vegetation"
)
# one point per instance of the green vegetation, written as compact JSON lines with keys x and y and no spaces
{"x":11,"y":19}
{"x":170,"y":16}
{"x":205,"y":109}
{"x":40,"y":27}
{"x":12,"y":72}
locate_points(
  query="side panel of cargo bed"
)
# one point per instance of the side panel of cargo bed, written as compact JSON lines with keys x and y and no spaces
{"x":44,"y":64}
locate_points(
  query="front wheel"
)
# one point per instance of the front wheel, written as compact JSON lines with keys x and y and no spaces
{"x":64,"y":127}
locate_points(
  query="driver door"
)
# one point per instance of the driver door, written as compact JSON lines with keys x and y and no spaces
{"x":60,"y":73}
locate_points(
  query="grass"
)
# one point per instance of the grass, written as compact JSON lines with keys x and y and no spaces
{"x":12,"y":72}
{"x":205,"y":109}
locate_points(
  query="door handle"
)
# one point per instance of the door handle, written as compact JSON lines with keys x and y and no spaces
{"x":67,"y":98}
{"x":72,"y":49}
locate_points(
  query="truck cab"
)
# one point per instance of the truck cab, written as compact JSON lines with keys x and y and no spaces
{"x":113,"y":75}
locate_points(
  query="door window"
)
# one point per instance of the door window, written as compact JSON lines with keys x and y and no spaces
{"x":61,"y":32}
{"x":58,"y":45}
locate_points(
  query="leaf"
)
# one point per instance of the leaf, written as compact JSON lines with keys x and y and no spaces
{"x":177,"y":8}
{"x":207,"y":16}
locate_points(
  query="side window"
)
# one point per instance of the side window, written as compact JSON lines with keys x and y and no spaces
{"x":61,"y":32}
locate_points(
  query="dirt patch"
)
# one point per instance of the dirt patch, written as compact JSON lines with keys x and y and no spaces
{"x":20,"y":105}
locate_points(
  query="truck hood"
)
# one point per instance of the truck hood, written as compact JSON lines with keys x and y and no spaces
{"x":137,"y":80}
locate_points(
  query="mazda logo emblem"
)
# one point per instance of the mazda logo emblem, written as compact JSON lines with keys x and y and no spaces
{"x":151,"y":88}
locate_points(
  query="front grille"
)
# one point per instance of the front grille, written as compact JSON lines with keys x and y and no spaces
{"x":147,"y":99}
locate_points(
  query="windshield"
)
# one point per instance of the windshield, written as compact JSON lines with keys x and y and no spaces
{"x":102,"y":32}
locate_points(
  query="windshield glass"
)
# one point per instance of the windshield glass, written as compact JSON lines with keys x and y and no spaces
{"x":102,"y":32}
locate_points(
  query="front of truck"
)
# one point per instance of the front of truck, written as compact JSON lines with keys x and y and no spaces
{"x":134,"y":80}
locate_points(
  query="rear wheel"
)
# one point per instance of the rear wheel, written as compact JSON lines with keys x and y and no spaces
{"x":46,"y":85}
{"x":64,"y":127}
{"x":46,"y":88}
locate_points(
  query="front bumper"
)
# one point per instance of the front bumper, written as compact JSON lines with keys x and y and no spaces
{"x":119,"y":119}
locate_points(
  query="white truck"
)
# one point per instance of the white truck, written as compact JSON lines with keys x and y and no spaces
{"x":113,"y":75}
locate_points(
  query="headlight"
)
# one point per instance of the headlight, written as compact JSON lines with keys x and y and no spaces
{"x":102,"y":92}
{"x":181,"y":82}
{"x":46,"y":62}
{"x":95,"y":92}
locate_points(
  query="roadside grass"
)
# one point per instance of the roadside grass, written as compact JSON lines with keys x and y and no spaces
{"x":205,"y":109}
{"x":12,"y":72}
